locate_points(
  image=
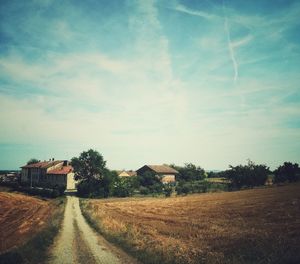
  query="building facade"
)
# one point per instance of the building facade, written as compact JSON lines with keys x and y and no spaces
{"x":49,"y":174}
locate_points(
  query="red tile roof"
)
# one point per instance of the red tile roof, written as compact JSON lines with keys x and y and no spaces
{"x":63,"y":170}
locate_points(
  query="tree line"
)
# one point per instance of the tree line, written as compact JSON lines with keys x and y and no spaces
{"x":96,"y":180}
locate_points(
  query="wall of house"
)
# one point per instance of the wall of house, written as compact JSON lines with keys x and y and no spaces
{"x":124,"y":174}
{"x":71,"y":183}
{"x":35,"y":173}
{"x":24,"y":175}
{"x":168,"y":178}
{"x":56,"y":179}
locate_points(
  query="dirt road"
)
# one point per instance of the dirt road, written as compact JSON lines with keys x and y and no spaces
{"x":78,"y":243}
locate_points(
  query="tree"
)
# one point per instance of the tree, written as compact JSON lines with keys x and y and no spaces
{"x":95,"y":180}
{"x":190,"y":172}
{"x":287,"y":172}
{"x":32,"y":161}
{"x":150,"y":182}
{"x":89,"y":166}
{"x":148,"y":178}
{"x":125,"y":186}
{"x":249,"y":175}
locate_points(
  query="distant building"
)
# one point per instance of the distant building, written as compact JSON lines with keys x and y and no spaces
{"x":124,"y":173}
{"x":49,"y":174}
{"x":164,"y":172}
{"x":10,"y":176}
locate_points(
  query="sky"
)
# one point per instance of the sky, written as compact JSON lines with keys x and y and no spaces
{"x":209,"y":82}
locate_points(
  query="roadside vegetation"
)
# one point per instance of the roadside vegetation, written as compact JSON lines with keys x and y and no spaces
{"x":251,"y":226}
{"x":28,"y":226}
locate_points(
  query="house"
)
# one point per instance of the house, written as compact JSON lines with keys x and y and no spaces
{"x":124,"y":173}
{"x":49,"y":174}
{"x":63,"y":176}
{"x":164,"y":172}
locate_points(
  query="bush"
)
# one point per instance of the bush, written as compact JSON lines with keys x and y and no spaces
{"x":168,"y":189}
{"x":183,"y":188}
{"x":122,"y":188}
{"x":249,"y":175}
{"x":144,"y":190}
{"x":287,"y":172}
{"x":156,"y":188}
{"x":88,"y":189}
{"x":148,"y":178}
{"x":199,"y":187}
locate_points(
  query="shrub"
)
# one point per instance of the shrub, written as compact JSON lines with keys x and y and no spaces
{"x":287,"y":172}
{"x":156,"y":188}
{"x":168,"y":189}
{"x":189,"y":172}
{"x":249,"y":175}
{"x":124,"y":187}
{"x":88,"y":188}
{"x":148,"y":178}
{"x":183,"y":188}
{"x":144,"y":190}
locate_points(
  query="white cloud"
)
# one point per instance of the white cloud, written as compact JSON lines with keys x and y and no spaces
{"x":242,"y":42}
{"x":199,"y":13}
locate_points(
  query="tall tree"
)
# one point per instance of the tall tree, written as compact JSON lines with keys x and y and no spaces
{"x":89,"y":166}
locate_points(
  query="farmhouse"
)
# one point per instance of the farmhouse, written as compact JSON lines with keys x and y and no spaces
{"x":164,"y":172}
{"x":124,"y":173}
{"x":49,"y":174}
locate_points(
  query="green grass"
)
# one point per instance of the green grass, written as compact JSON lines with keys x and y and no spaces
{"x":36,"y":249}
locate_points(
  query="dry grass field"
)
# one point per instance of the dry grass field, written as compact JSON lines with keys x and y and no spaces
{"x":21,"y":217}
{"x":250,"y":226}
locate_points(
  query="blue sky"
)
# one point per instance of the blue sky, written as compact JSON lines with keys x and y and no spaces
{"x":150,"y":82}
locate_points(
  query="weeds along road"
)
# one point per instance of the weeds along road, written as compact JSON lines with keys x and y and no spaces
{"x":77,"y":242}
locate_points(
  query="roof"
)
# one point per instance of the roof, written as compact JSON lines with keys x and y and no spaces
{"x":129,"y":172}
{"x":163,"y":169}
{"x":42,"y":165}
{"x":63,"y":170}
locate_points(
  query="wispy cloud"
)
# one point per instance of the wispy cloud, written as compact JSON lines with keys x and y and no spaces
{"x":231,"y":51}
{"x":183,"y":9}
{"x":241,"y":42}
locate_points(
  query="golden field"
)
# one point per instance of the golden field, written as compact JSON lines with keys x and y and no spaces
{"x":21,"y":217}
{"x":250,"y":226}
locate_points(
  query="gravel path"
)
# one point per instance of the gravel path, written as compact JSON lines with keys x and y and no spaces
{"x":79,"y":243}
